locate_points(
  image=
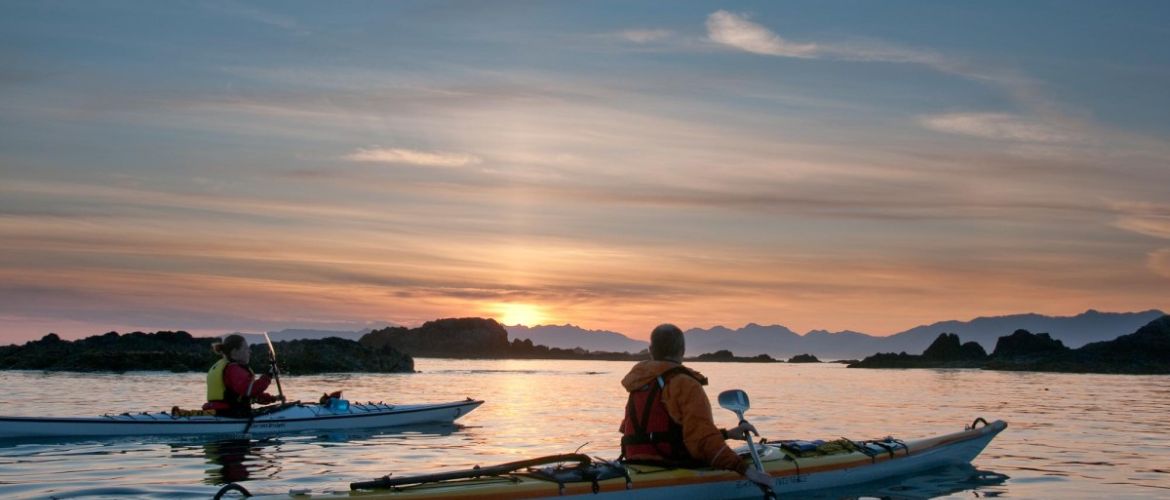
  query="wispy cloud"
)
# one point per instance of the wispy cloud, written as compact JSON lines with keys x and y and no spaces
{"x":256,"y":14}
{"x":737,"y":30}
{"x":1003,"y":126}
{"x":413,"y":157}
{"x":740,"y":32}
{"x":1149,"y":224}
{"x":1159,"y":262}
{"x":645,"y":35}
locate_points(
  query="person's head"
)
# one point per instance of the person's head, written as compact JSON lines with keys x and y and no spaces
{"x":667,"y":343}
{"x":233,"y":348}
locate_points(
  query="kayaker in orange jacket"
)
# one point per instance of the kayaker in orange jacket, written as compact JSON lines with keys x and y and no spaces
{"x":668,"y":416}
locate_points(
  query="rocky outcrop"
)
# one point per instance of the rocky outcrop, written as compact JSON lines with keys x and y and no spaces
{"x":804,"y":358}
{"x":336,"y":354}
{"x":724,"y":356}
{"x":945,"y":352}
{"x":1146,"y":351}
{"x":441,"y":338}
{"x":1023,"y":344}
{"x":947,"y":348}
{"x":180,"y":352}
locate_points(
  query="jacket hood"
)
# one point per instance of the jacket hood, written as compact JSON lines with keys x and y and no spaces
{"x":645,"y":371}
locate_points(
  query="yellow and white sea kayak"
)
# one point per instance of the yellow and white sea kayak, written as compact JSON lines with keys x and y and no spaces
{"x":794,"y":468}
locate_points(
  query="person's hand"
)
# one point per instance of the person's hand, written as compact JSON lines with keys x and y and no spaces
{"x":760,"y":478}
{"x":740,"y":431}
{"x":265,"y":399}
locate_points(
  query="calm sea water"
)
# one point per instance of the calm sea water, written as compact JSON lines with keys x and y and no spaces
{"x":1069,"y":436}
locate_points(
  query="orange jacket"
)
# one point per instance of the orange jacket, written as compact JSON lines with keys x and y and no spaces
{"x":687,"y":404}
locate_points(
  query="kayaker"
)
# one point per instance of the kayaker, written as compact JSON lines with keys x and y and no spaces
{"x":668,"y":416}
{"x":232,"y":387}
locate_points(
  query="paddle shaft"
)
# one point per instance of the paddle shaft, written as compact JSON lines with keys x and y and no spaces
{"x":275,"y":367}
{"x":493,"y":470}
{"x":769,"y":493}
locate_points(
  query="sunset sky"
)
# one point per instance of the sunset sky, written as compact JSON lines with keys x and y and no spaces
{"x":871,"y":166}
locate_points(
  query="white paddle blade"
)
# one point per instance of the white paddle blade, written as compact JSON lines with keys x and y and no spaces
{"x":735,"y":400}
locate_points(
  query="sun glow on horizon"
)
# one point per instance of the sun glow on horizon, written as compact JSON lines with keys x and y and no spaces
{"x":519,"y":314}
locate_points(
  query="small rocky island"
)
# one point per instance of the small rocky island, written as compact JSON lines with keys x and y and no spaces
{"x":804,"y":358}
{"x":180,"y":352}
{"x":475,"y":338}
{"x":725,"y":356}
{"x":1146,"y":351}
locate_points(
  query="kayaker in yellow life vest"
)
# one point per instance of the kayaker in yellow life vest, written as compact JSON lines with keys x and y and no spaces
{"x":668,"y":416}
{"x":231,"y":384}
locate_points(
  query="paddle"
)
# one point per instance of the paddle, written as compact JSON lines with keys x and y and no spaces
{"x":475,"y":472}
{"x":275,"y":368}
{"x":737,"y":401}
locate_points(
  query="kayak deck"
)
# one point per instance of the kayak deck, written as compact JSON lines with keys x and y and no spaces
{"x":291,"y":417}
{"x":792,"y":470}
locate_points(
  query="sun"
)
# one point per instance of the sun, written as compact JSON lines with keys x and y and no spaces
{"x":519,"y":314}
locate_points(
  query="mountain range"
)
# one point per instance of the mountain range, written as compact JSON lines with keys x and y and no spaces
{"x":780,"y":342}
{"x":570,"y":337}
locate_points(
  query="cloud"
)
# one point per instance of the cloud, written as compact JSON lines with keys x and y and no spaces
{"x":1003,"y":126}
{"x":1159,"y":228}
{"x":1159,"y":262}
{"x":412,"y":157}
{"x":735,"y":30}
{"x":258,"y":15}
{"x":645,"y":35}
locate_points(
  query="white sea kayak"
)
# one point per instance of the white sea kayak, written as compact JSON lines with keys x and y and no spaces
{"x":804,"y":466}
{"x":287,"y":418}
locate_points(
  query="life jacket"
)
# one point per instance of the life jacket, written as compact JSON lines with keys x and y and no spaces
{"x":648,"y":432}
{"x":219,"y":392}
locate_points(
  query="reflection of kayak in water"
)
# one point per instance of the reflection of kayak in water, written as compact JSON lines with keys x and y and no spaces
{"x":795,"y":465}
{"x":292,"y":417}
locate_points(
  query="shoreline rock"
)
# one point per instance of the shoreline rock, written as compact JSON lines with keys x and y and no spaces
{"x":1144,"y":352}
{"x":180,"y":352}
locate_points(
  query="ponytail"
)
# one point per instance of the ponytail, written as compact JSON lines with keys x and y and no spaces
{"x":229,"y":344}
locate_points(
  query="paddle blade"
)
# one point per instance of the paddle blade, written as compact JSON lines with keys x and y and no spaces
{"x":735,"y":400}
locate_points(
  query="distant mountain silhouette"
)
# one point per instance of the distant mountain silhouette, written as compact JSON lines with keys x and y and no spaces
{"x":750,"y":340}
{"x":572,"y":337}
{"x":780,"y":342}
{"x":1073,"y":331}
{"x":302,"y":334}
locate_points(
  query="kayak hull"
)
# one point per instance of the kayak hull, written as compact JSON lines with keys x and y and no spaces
{"x":291,"y":418}
{"x":791,"y":474}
